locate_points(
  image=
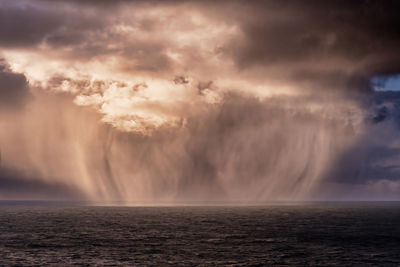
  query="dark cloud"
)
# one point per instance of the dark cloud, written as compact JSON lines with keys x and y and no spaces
{"x":180,"y":80}
{"x":310,"y":30}
{"x":15,"y":184}
{"x":242,"y":146}
{"x":203,"y":86}
{"x":345,"y":39}
{"x":145,"y":56}
{"x":375,"y":155}
{"x":14,"y":88}
{"x":363,"y":36}
{"x":26,"y":25}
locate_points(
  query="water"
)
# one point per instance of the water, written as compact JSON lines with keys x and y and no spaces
{"x":361,"y":234}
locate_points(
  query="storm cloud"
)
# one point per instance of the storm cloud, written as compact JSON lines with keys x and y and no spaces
{"x":172,"y":100}
{"x":13,"y":88}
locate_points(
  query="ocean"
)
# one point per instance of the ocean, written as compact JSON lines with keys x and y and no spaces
{"x":307,"y":234}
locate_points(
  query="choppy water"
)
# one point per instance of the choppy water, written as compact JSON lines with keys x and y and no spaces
{"x":325,"y":235}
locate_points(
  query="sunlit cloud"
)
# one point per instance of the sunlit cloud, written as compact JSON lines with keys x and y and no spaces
{"x":196,"y":100}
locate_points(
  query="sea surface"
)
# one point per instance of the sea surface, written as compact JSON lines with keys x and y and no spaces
{"x":313,"y":234}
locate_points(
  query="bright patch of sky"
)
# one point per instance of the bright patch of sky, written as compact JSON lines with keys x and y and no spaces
{"x":386,"y":83}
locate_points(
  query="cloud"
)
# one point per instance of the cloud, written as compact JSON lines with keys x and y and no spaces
{"x":239,"y":148}
{"x":376,"y":154}
{"x":16,"y":185}
{"x":292,"y":31}
{"x":199,"y":99}
{"x":24,"y":26}
{"x":14,"y":89}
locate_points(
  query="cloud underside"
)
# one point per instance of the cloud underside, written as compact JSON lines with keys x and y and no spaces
{"x":155,"y":100}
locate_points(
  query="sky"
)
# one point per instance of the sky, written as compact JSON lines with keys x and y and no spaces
{"x":386,"y":83}
{"x":199,"y":100}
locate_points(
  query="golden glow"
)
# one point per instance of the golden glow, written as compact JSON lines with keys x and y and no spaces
{"x":154,"y":105}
